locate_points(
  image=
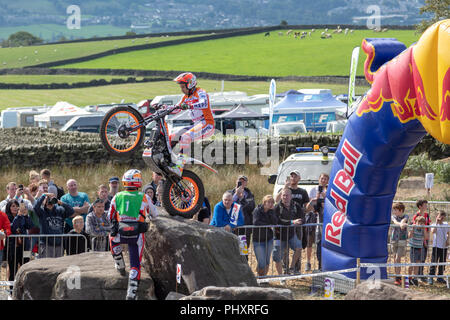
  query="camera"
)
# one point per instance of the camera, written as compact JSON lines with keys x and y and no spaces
{"x":239,"y":183}
{"x":52,"y":201}
{"x":20,"y":186}
{"x":320,"y":189}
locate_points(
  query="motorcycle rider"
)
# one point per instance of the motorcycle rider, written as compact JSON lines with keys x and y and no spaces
{"x":196,"y":100}
{"x":130,"y":208}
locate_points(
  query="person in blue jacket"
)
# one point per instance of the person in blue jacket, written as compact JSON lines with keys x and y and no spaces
{"x":227,"y":214}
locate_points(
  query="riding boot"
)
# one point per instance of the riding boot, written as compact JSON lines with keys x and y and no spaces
{"x":119,"y":263}
{"x":132,"y":289}
{"x":177,"y":165}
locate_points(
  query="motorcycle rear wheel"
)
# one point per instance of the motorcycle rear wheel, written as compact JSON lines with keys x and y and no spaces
{"x":184,"y":205}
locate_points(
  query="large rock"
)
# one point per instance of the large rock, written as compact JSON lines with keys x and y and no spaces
{"x":385,"y":291}
{"x":240,"y":293}
{"x":209,"y":256}
{"x":86,"y":276}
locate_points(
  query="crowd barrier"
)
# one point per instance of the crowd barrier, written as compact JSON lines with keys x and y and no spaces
{"x":20,"y":249}
{"x":273,"y":274}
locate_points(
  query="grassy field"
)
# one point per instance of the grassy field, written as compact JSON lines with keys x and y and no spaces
{"x":19,"y":57}
{"x":135,"y":92}
{"x":47,"y":32}
{"x":254,"y":55}
{"x":42,"y":79}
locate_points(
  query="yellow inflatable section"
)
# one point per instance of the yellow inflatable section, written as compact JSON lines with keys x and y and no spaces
{"x":432,"y":58}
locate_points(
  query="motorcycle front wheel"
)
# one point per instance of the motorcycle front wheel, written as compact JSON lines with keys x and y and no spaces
{"x":186,"y":199}
{"x":120,"y":132}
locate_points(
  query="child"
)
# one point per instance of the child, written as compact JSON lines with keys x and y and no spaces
{"x":422,"y":205}
{"x":399,"y":236}
{"x":440,"y":243}
{"x":417,"y":236}
{"x":78,"y":244}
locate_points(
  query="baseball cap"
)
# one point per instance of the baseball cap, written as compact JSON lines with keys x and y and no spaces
{"x":114,"y":179}
{"x":243,"y":177}
{"x":296,"y":172}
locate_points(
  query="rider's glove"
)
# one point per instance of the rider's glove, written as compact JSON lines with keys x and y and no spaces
{"x":185,"y":106}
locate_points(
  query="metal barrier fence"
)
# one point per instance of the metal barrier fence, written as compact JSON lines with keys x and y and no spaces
{"x":264,"y":257}
{"x":20,"y":249}
{"x":100,"y":243}
{"x":433,"y":208}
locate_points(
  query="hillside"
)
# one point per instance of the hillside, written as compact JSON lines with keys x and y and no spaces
{"x":275,"y":55}
{"x":19,"y":57}
{"x":49,"y":18}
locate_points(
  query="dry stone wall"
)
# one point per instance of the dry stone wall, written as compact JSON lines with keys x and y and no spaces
{"x":30,"y":147}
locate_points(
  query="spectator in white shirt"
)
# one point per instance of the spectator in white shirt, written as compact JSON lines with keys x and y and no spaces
{"x":17,"y":193}
{"x":441,"y":238}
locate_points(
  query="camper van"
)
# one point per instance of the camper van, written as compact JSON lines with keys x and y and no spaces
{"x":315,"y":107}
{"x":20,"y":116}
{"x":223,"y":100}
{"x":86,"y":123}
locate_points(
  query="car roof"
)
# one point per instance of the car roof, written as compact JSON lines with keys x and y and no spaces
{"x":308,"y":156}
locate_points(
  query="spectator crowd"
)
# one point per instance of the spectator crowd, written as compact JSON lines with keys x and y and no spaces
{"x":69,"y":222}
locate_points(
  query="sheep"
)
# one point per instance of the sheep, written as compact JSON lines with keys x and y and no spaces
{"x":280,"y":33}
{"x":267,"y":34}
{"x":313,"y":30}
{"x":289,"y":32}
{"x":384,"y":30}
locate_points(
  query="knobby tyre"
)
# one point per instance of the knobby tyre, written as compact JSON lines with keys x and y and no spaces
{"x":184,"y":205}
{"x":116,"y":131}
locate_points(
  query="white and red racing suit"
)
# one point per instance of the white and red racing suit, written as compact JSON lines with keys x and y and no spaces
{"x":130,"y":206}
{"x":201,"y":115}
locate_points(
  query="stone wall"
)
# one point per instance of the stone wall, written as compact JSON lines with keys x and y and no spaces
{"x":31,"y":147}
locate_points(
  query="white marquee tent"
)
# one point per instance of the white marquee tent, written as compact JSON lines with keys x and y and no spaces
{"x":58,"y":115}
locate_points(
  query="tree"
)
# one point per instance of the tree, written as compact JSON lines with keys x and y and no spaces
{"x":283,"y":23}
{"x":439,"y":8}
{"x":22,"y":38}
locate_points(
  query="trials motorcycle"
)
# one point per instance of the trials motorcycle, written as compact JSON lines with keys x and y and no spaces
{"x":123,"y":131}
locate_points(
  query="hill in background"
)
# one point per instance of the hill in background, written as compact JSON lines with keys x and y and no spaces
{"x":47,"y":19}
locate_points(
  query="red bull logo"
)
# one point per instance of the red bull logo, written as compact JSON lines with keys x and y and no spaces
{"x":399,"y":83}
{"x":416,"y":83}
{"x":343,"y":181}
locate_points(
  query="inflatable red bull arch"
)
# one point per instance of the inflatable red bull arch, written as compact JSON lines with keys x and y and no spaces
{"x":409,"y":97}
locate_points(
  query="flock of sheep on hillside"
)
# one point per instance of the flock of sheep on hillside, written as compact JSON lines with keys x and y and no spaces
{"x":323,"y":35}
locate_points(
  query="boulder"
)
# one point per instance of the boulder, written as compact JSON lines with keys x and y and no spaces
{"x":86,"y":276}
{"x":208,"y":256}
{"x":386,"y":291}
{"x":240,"y":293}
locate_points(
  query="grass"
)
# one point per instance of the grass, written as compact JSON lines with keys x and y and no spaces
{"x":135,"y":92}
{"x":44,"y":79}
{"x":48,"y":32}
{"x":19,"y":57}
{"x":254,"y":55}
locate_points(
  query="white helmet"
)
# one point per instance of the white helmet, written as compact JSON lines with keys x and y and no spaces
{"x":132,"y":179}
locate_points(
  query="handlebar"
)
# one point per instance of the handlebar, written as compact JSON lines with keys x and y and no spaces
{"x":162,"y":110}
